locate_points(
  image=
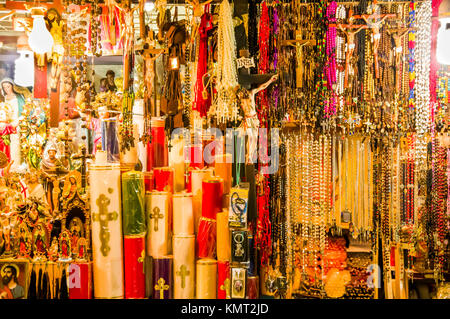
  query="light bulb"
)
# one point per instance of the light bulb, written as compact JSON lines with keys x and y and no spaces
{"x":40,"y":39}
{"x":443,"y":42}
{"x":24,"y":69}
{"x":149,"y":6}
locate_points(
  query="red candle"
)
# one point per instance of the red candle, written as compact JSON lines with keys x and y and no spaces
{"x":148,"y":181}
{"x":212,"y":192}
{"x":157,"y":153}
{"x":134,"y":253}
{"x":163,"y":177}
{"x":223,"y":282}
{"x":195,"y":155}
{"x":206,"y":238}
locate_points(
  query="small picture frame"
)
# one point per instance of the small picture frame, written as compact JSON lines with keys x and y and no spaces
{"x":14,"y":278}
{"x":238,"y":282}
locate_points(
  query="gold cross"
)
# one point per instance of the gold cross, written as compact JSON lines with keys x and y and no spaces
{"x":161,"y":287}
{"x":183,"y":272}
{"x":226,"y":286}
{"x":141,"y":259}
{"x":156,"y":216}
{"x":103,"y":217}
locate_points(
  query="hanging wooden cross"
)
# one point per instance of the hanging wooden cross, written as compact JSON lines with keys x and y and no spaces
{"x":83,"y":156}
{"x":350,"y":43}
{"x":299,"y":43}
{"x":375,"y":21}
{"x":397,"y":35}
{"x":197,"y":13}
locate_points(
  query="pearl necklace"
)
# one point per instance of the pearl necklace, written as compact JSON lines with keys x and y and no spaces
{"x":226,"y":108}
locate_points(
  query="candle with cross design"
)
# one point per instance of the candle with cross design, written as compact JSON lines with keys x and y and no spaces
{"x":184,"y":266}
{"x":206,"y":279}
{"x":223,"y":280}
{"x":106,"y":216}
{"x":134,"y":231}
{"x":158,"y":213}
{"x":162,"y":277}
{"x":183,"y":214}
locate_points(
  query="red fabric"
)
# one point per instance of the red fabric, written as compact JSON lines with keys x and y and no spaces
{"x":134,"y":257}
{"x":206,"y":239}
{"x":252,"y":287}
{"x":200,"y":104}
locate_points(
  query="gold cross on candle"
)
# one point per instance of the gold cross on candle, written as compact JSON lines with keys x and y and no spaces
{"x":103,"y":217}
{"x":226,"y":286}
{"x":156,"y":216}
{"x":161,"y":287}
{"x":183,"y":272}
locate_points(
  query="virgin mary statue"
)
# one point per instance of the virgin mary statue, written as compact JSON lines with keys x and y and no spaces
{"x":13,"y":107}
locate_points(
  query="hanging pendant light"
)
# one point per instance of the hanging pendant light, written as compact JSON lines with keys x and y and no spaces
{"x":40,"y":39}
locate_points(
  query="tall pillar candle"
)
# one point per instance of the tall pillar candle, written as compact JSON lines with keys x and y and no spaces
{"x":158,"y":216}
{"x":149,"y":181}
{"x":223,"y":167}
{"x":223,"y":280}
{"x":206,"y":282}
{"x":134,"y":248}
{"x":196,"y":177}
{"x":163,"y":177}
{"x":212,"y":192}
{"x":162,"y":277}
{"x":195,"y":155}
{"x":134,"y":230}
{"x":177,"y":163}
{"x":183,"y":214}
{"x":157,"y":153}
{"x":223,"y":237}
{"x":184,"y":266}
{"x":107,"y":240}
{"x":130,"y":157}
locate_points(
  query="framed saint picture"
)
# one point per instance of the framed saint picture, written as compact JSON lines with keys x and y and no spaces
{"x":14,"y":279}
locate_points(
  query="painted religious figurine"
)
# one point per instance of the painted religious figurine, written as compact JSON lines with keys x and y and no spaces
{"x":13,"y":105}
{"x":55,"y":26}
{"x":65,"y":251}
{"x":52,"y":169}
{"x":250,"y":121}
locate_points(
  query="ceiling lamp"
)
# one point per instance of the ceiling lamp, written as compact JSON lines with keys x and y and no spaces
{"x":40,"y":39}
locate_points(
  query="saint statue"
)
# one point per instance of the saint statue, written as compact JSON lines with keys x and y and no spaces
{"x":13,"y":107}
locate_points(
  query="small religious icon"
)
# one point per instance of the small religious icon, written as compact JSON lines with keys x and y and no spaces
{"x":64,"y":246}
